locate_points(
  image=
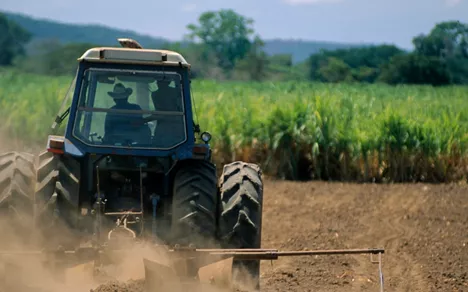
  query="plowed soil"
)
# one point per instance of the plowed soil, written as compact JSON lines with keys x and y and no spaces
{"x":423,"y":229}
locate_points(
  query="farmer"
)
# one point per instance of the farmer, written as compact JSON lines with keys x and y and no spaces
{"x":120,"y":126}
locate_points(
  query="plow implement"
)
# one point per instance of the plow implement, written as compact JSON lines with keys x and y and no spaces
{"x":174,"y":268}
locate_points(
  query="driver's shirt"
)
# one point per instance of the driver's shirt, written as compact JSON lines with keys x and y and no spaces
{"x":123,"y":124}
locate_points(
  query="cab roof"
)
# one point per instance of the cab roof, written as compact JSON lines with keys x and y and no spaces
{"x":133,"y":53}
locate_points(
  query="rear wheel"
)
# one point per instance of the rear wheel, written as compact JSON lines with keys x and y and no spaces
{"x":16,"y":198}
{"x":240,"y":222}
{"x":56,"y":200}
{"x":194,"y":204}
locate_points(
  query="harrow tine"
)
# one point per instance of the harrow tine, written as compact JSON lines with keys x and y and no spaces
{"x":379,"y":262}
{"x":159,"y":277}
{"x":218,"y":274}
{"x":381,"y":277}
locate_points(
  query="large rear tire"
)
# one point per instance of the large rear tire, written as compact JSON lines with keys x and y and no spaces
{"x":45,"y":197}
{"x":56,"y":201}
{"x":16,"y":198}
{"x":240,"y":222}
{"x":194,"y":204}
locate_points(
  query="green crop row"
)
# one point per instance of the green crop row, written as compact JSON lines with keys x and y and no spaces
{"x":355,"y":132}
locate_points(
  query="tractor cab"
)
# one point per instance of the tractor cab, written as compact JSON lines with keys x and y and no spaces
{"x":130,"y":133}
{"x":128,"y":99}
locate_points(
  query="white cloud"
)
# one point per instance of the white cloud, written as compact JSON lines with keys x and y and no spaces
{"x":188,"y":7}
{"x":305,"y":2}
{"x":452,"y":2}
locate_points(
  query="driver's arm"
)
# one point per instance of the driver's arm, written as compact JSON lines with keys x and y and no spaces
{"x":108,"y":125}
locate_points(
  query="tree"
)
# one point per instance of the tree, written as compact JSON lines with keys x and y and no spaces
{"x":204,"y":63}
{"x":12,"y":40}
{"x":415,"y":69}
{"x":365,"y":62}
{"x":448,"y":42}
{"x":335,"y":71}
{"x":254,"y":65}
{"x":225,"y":33}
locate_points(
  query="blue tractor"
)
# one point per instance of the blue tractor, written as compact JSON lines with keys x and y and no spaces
{"x":126,"y":160}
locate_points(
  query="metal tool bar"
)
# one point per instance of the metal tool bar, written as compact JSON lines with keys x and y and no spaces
{"x":208,"y":250}
{"x":226,"y":252}
{"x":122,"y":213}
{"x":262,"y":252}
{"x":14,"y":252}
{"x":337,"y":251}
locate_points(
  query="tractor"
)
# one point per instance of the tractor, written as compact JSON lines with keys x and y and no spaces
{"x":130,"y":162}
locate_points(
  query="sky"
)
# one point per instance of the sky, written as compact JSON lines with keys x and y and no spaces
{"x":350,"y":21}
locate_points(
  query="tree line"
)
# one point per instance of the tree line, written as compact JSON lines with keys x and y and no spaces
{"x":223,"y":45}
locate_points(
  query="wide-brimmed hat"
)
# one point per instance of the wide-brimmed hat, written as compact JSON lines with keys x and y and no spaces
{"x":120,"y":91}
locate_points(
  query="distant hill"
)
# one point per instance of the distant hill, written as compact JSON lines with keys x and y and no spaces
{"x":300,"y":49}
{"x":103,"y":35}
{"x":83,"y":33}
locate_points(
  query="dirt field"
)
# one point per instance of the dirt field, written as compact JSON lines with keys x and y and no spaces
{"x":422,"y":227}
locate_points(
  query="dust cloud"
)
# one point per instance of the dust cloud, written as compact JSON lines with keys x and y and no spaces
{"x":24,"y":268}
{"x":122,"y":271}
{"x":15,"y":143}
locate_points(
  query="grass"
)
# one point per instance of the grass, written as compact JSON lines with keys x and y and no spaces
{"x":348,"y":132}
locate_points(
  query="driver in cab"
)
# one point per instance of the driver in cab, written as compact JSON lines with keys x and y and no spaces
{"x":121,"y":127}
{"x":166,"y":98}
